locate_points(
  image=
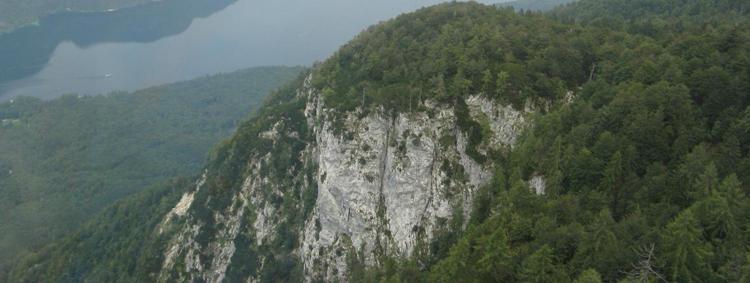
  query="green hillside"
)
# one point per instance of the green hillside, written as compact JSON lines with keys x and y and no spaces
{"x":642,"y":135}
{"x":647,"y":169}
{"x":535,"y":5}
{"x":66,"y":159}
{"x":117,"y":245}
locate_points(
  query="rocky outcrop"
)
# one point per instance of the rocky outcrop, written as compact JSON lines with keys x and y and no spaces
{"x":385,"y":183}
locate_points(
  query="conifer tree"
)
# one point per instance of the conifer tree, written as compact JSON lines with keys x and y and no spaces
{"x":600,"y":248}
{"x":497,"y":258}
{"x":589,"y":276}
{"x":685,"y":254}
{"x":612,"y":182}
{"x":541,"y":267}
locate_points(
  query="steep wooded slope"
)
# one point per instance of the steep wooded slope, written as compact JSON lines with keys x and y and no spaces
{"x":463,"y":142}
{"x":66,"y":159}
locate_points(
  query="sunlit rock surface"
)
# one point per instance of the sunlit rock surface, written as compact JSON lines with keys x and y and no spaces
{"x":384,"y":184}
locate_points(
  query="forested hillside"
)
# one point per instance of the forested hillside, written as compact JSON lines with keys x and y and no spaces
{"x":15,"y":13}
{"x":634,"y":165}
{"x":647,"y":170}
{"x":660,"y":19}
{"x":66,"y":159}
{"x":535,"y":5}
{"x":117,"y":245}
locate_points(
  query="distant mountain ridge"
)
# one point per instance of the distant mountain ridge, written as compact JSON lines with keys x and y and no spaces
{"x":534,"y":5}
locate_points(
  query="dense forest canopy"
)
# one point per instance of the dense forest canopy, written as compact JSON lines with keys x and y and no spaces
{"x":642,"y":135}
{"x":450,"y":50}
{"x":647,"y":169}
{"x":122,"y":244}
{"x":66,"y":159}
{"x":535,"y":5}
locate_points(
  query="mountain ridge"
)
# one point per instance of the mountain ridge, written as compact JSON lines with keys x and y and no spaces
{"x":534,"y":148}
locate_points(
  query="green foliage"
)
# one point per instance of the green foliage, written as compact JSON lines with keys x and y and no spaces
{"x":588,"y":276}
{"x":599,"y":248}
{"x":453,"y":50}
{"x":654,"y":17}
{"x":119,"y":245}
{"x":646,"y":167}
{"x":746,"y":270}
{"x":228,"y":167}
{"x":456,"y":267}
{"x":69,"y":158}
{"x":541,"y":267}
{"x":534,"y":5}
{"x":497,"y":259}
{"x":687,"y":255}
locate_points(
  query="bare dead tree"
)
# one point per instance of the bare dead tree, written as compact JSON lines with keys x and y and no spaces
{"x":645,"y":269}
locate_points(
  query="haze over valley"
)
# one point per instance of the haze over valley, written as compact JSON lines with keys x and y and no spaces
{"x":173,"y":40}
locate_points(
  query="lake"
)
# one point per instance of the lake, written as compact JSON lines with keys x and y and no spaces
{"x":174,"y":40}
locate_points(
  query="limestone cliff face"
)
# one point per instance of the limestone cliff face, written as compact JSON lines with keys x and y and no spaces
{"x":385,"y":184}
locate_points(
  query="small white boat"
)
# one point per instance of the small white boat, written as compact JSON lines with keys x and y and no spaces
{"x":107,"y":75}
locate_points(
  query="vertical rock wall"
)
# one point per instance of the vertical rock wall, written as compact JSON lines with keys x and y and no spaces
{"x":384,"y":183}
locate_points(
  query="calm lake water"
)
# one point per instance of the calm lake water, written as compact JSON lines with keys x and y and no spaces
{"x":174,"y":40}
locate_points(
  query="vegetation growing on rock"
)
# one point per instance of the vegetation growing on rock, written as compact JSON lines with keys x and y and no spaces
{"x":642,"y":144}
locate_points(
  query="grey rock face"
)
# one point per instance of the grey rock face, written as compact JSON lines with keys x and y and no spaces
{"x":538,"y":184}
{"x":385,"y":183}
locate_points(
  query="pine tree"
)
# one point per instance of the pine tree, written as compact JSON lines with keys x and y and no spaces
{"x":439,"y":89}
{"x":716,"y":218}
{"x":731,"y":189}
{"x":497,"y":258}
{"x":456,"y":266}
{"x":612,"y":182}
{"x":686,"y":255}
{"x":460,"y":84}
{"x":555,"y":176}
{"x":541,"y":267}
{"x":487,"y":81}
{"x":746,"y":270}
{"x":600,"y":248}
{"x":707,"y":183}
{"x":501,"y":85}
{"x":589,"y":276}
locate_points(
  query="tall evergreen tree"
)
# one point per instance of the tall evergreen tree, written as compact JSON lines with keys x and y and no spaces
{"x":497,"y":258}
{"x":455,"y":267}
{"x":613,"y":182}
{"x":707,"y":183}
{"x":600,"y":247}
{"x":745,"y":272}
{"x":588,"y":276}
{"x":541,"y":266}
{"x":685,"y":254}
